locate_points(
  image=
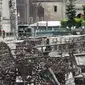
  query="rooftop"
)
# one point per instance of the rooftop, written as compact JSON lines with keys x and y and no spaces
{"x":47,"y":0}
{"x":47,"y":23}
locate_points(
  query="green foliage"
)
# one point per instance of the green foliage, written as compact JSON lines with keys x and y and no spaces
{"x":83,"y":23}
{"x":45,"y":74}
{"x":71,"y":23}
{"x":71,"y":13}
{"x":78,"y":22}
{"x":64,"y":23}
{"x":70,"y":10}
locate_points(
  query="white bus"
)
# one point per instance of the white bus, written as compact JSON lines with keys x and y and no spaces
{"x":45,"y":28}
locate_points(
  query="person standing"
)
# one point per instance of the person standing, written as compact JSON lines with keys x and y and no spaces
{"x":3,"y":34}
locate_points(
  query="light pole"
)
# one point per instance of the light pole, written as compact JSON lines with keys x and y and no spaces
{"x":18,"y":16}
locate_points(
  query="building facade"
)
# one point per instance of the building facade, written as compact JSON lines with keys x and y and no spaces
{"x":5,"y":16}
{"x":30,"y":11}
{"x":53,"y":11}
{"x":23,"y":11}
{"x":8,"y":17}
{"x":56,"y":9}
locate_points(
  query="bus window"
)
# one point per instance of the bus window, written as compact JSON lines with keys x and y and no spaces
{"x":56,"y":27}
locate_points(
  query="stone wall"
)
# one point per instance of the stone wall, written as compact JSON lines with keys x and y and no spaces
{"x":50,"y":14}
{"x":22,"y":11}
{"x":33,"y":12}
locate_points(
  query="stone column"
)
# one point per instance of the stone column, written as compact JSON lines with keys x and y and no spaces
{"x":27,"y":12}
{"x":6,"y":16}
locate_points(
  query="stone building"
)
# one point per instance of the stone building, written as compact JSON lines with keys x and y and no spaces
{"x":31,"y":11}
{"x":49,"y":10}
{"x":8,"y":19}
{"x":23,"y":11}
{"x":27,"y":12}
{"x":53,"y":10}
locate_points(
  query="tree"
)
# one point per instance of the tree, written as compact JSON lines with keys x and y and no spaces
{"x":71,"y":13}
{"x":26,"y":55}
{"x":37,"y":66}
{"x":35,"y":69}
{"x":7,"y":65}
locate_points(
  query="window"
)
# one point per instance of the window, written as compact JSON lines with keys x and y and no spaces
{"x":55,"y":8}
